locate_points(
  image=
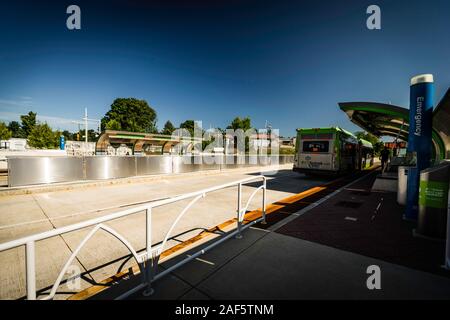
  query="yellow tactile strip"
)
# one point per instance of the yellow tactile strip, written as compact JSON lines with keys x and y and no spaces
{"x":201,"y":237}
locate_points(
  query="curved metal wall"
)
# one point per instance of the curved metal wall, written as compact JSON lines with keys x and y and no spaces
{"x":182,"y":164}
{"x":153,"y":165}
{"x":38,"y":170}
{"x":43,"y":170}
{"x":105,"y":167}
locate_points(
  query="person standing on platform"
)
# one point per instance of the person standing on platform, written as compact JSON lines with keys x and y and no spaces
{"x":384,"y":158}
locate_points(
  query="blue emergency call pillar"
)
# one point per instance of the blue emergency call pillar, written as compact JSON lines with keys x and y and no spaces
{"x":419,"y":138}
{"x":62,"y":142}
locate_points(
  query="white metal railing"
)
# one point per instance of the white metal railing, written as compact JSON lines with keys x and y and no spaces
{"x":148,"y":260}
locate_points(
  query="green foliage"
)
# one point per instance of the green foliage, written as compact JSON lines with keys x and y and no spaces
{"x":239,"y":123}
{"x":113,"y":124}
{"x":189,"y":126}
{"x":374,"y":140}
{"x":80,"y":135}
{"x":28,"y":122}
{"x":244,"y":124}
{"x":210,"y":136}
{"x":42,"y":137}
{"x":289,"y":150}
{"x":68,"y":135}
{"x":280,"y":151}
{"x":377,"y":147}
{"x":168,"y":128}
{"x":92,"y":135}
{"x":15,"y":129}
{"x":5,"y":133}
{"x":132,"y":114}
{"x":366,"y":136}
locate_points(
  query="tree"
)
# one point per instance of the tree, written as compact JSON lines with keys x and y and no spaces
{"x":132,"y":115}
{"x":168,"y":128}
{"x":244,"y":124}
{"x":81,"y":135}
{"x":374,"y":140}
{"x":5,"y":133}
{"x":28,"y":123}
{"x":113,"y":124}
{"x":15,"y":129}
{"x":239,"y":123}
{"x":92,"y":135}
{"x":67,"y":135}
{"x":189,"y":125}
{"x":42,"y":137}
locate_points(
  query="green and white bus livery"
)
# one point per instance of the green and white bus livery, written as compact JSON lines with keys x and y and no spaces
{"x":331,"y":151}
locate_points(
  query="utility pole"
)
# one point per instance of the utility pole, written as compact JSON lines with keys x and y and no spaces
{"x":85,"y":125}
{"x":269,"y":132}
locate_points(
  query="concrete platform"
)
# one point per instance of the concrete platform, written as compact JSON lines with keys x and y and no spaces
{"x":22,"y":215}
{"x":269,"y":265}
{"x":369,"y":222}
{"x":387,"y":181}
{"x":280,"y":263}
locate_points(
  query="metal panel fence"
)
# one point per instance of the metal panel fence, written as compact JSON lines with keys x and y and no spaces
{"x":153,"y":165}
{"x":23,"y":171}
{"x":37,"y":170}
{"x":104,"y":167}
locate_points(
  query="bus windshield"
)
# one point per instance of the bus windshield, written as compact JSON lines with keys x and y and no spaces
{"x":315,"y":146}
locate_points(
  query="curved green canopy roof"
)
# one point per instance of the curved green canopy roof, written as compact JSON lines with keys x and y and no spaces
{"x":366,"y":143}
{"x":380,"y":119}
{"x":441,"y":122}
{"x":383,"y":119}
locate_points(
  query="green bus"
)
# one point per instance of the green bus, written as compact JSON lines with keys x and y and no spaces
{"x":331,"y":151}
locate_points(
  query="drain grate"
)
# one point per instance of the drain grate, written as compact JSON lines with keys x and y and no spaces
{"x":349,"y":204}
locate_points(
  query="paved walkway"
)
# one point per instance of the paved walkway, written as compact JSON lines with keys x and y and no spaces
{"x":370,"y":223}
{"x":269,"y":264}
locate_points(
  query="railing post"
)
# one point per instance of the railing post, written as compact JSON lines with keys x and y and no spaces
{"x":31,"y":270}
{"x":264,"y":199}
{"x":239,"y":235}
{"x":149,"y":274}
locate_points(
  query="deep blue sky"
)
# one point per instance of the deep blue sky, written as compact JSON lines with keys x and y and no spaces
{"x":283,"y":61}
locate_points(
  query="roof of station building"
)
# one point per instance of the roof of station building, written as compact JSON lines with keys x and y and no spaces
{"x":383,"y":119}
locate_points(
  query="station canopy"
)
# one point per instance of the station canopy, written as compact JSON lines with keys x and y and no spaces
{"x":141,"y":143}
{"x":382,"y":119}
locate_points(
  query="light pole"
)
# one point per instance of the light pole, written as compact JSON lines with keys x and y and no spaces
{"x":269,"y":133}
{"x":85,"y":123}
